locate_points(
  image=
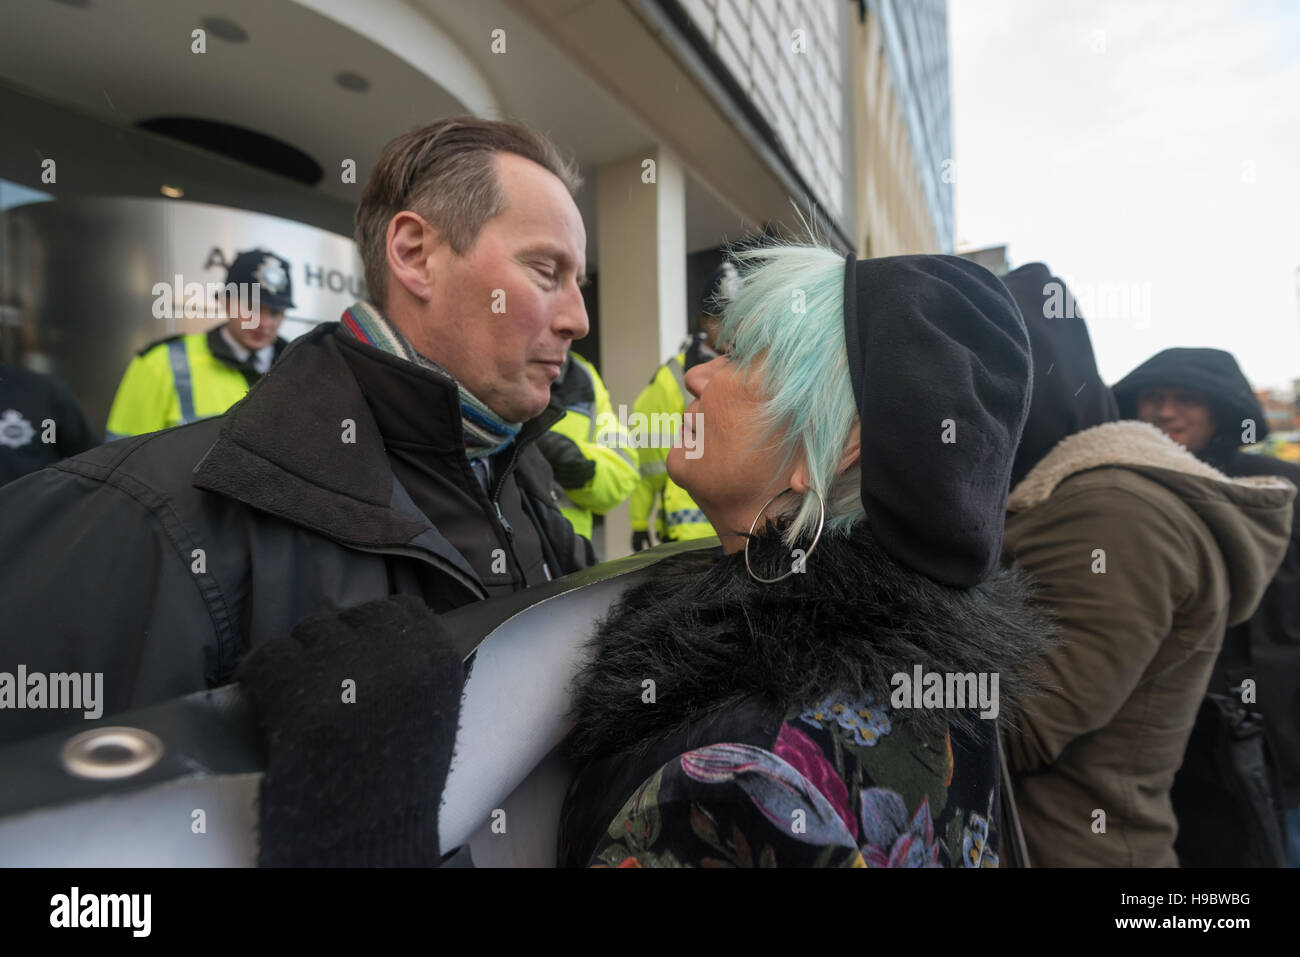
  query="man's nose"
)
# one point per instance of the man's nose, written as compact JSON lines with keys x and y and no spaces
{"x":697,"y":377}
{"x":572,"y":321}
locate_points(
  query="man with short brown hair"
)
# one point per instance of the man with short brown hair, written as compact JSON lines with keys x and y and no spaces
{"x":388,"y":454}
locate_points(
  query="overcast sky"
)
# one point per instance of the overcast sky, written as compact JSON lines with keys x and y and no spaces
{"x":1149,"y":153}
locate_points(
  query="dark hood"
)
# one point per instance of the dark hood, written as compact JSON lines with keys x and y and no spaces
{"x":1211,"y":372}
{"x":938,"y":359}
{"x":1069,"y":394}
{"x":711,"y":637}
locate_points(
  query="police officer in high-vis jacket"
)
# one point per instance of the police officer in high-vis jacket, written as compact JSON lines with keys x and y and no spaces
{"x":679,"y":518}
{"x":187,"y":377}
{"x":588,"y":448}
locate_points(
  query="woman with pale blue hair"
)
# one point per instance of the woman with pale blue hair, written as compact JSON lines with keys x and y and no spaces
{"x":823,"y":691}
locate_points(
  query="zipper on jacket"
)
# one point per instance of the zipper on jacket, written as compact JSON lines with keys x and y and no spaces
{"x":500,"y":484}
{"x":510,"y":532}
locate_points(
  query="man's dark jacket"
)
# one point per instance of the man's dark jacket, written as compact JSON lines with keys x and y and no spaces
{"x":161,"y":559}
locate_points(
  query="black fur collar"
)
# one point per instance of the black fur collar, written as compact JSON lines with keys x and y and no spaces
{"x":710,"y":637}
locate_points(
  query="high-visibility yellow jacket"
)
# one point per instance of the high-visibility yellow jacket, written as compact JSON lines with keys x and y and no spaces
{"x":590,"y":423}
{"x":177,"y":380}
{"x":679,"y":518}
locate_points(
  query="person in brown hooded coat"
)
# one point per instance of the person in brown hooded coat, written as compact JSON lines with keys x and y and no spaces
{"x":1202,"y":400}
{"x":1143,"y":554}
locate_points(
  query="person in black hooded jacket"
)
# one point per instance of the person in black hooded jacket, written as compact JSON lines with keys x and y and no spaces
{"x":855,"y":465}
{"x":1201,"y":399}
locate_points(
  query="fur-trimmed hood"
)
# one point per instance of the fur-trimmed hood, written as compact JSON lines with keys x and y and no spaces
{"x":710,"y":637}
{"x":1248,"y":517}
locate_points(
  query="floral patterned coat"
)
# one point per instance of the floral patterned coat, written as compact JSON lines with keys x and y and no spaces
{"x":736,"y":764}
{"x":841,"y":783}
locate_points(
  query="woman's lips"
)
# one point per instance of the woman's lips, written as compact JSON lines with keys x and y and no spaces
{"x":687,"y":430}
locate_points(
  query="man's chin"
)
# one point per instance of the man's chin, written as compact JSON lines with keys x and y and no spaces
{"x":524,"y":413}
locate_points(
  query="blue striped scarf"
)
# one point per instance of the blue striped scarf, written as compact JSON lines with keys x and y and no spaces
{"x":486,"y":433}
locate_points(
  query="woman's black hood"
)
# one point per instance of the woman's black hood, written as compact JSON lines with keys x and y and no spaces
{"x":1068,"y":394}
{"x":1217,"y":376}
{"x":711,"y":637}
{"x":938,"y":359}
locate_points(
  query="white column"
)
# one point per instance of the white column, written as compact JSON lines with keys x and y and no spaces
{"x":641,"y":256}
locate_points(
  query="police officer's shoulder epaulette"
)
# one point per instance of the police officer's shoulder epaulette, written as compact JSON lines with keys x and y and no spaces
{"x":159,"y":342}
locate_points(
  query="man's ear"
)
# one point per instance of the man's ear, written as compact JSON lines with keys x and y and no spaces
{"x":411,"y":245}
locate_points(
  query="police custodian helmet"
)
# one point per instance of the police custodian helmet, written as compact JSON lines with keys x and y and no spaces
{"x":267,"y":269}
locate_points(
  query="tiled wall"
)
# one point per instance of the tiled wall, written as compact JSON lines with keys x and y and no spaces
{"x":800,"y":93}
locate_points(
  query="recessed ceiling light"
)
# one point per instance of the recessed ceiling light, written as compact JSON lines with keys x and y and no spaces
{"x":352,"y":81}
{"x":173,"y":192}
{"x":225,"y":29}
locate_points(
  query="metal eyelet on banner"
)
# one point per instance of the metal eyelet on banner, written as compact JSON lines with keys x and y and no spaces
{"x":108,"y":753}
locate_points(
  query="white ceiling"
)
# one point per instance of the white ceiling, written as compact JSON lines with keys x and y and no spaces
{"x":129,"y":61}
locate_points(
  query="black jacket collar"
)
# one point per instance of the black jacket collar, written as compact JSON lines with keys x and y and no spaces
{"x":416,"y":405}
{"x":304,"y":446}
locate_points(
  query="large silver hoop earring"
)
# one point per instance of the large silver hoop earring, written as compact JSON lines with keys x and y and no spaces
{"x":821,"y":523}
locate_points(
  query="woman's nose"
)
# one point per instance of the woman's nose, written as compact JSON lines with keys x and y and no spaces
{"x":697,"y":377}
